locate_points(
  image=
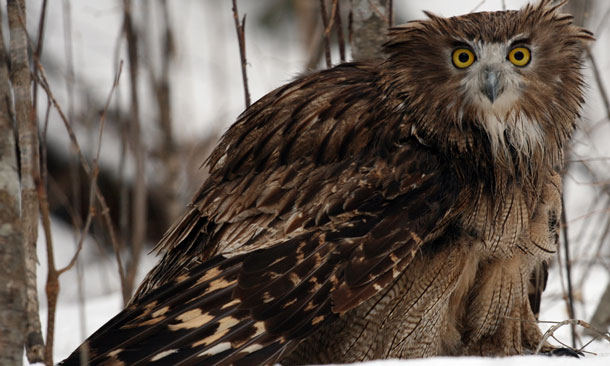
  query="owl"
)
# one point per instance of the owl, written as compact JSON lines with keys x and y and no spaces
{"x":397,"y":208}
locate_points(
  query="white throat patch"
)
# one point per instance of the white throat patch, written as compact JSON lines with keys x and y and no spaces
{"x":514,"y":130}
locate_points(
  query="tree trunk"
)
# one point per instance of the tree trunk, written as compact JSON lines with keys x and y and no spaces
{"x":370,"y":21}
{"x":12,"y":250}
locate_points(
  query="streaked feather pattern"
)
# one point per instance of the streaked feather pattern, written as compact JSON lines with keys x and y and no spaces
{"x":371,"y":210}
{"x":280,"y":294}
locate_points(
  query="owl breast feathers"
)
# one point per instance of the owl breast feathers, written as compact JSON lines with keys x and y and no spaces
{"x":393,"y":209}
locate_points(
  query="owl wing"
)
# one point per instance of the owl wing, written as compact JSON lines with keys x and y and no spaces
{"x":317,"y":237}
{"x":549,"y":213}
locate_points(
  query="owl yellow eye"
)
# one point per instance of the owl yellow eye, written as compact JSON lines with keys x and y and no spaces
{"x":519,"y":56}
{"x":462,"y":58}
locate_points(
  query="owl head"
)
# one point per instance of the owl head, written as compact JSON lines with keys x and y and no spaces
{"x":514,"y":76}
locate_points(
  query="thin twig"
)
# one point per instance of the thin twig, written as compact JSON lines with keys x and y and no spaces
{"x":350,"y":25}
{"x":52,"y":288}
{"x":39,"y":44}
{"x":52,"y":285}
{"x":69,"y":59}
{"x":159,"y":79}
{"x":241,"y":39}
{"x":105,"y":211}
{"x":331,"y":21}
{"x":74,"y":169}
{"x":73,"y":165}
{"x":94,"y":175}
{"x":600,"y":245}
{"x":575,"y":322}
{"x":390,"y":13}
{"x":53,"y":274}
{"x":123,"y":219}
{"x":340,"y":36}
{"x":606,"y":101}
{"x":568,"y":264}
{"x":139,"y":207}
{"x":326,"y":40}
{"x":593,"y":339}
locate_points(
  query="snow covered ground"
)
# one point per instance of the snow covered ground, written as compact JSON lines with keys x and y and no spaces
{"x":214,"y":104}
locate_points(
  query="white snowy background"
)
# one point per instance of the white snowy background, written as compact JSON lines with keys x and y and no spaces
{"x":207,"y":97}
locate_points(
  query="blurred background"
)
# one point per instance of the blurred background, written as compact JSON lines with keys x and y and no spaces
{"x":181,"y":86}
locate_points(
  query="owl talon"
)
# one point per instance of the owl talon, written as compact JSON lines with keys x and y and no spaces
{"x":564,"y":352}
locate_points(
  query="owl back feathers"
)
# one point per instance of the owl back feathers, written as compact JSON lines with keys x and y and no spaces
{"x":251,"y":308}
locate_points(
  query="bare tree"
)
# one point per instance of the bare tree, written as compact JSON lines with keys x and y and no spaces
{"x":19,"y":322}
{"x":12,"y":251}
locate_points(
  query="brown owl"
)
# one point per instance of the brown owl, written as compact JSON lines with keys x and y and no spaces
{"x":391,"y":209}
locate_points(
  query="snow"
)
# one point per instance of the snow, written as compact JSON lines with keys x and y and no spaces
{"x":209,"y":97}
{"x":483,"y":361}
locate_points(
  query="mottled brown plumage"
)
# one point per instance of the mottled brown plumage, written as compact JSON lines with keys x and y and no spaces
{"x":404,"y":208}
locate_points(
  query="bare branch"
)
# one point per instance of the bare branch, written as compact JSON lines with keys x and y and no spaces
{"x":340,"y":36}
{"x":52,"y":286}
{"x":333,"y":14}
{"x":568,"y":264}
{"x":167,"y":150}
{"x":241,"y":39}
{"x":326,"y":31}
{"x":558,"y":325}
{"x":139,"y":207}
{"x":94,"y":175}
{"x":105,"y":212}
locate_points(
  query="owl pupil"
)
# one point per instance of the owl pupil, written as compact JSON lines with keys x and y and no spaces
{"x":463,"y":57}
{"x":518,"y":56}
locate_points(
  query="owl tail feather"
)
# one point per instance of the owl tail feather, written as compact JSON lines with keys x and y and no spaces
{"x":193,"y":320}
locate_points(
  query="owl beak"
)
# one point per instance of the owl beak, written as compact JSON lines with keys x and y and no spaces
{"x":491,"y":88}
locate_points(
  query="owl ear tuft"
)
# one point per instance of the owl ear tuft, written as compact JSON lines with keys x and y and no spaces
{"x":432,"y":16}
{"x":551,"y":6}
{"x":584,"y":35}
{"x":550,"y":10}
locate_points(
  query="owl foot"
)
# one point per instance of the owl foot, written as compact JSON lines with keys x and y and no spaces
{"x":564,"y":352}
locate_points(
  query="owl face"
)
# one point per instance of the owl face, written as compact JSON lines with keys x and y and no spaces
{"x":492,"y":74}
{"x":492,"y":80}
{"x":512,"y":75}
